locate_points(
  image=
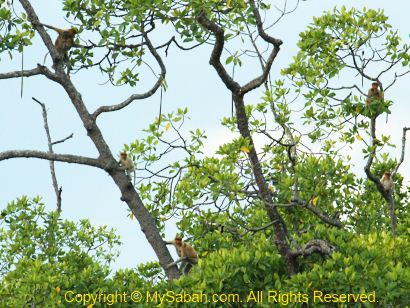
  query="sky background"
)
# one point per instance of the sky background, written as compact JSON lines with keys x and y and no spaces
{"x":90,"y":193}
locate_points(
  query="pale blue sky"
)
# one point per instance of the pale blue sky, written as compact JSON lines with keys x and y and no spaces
{"x":90,"y":193}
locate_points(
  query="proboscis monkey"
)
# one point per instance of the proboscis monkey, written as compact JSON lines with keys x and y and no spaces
{"x":63,"y":42}
{"x":374,"y":93}
{"x":187,"y":255}
{"x":126,"y":164}
{"x":387,"y":181}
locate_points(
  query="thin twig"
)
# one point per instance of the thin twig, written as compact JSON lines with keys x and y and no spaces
{"x":147,"y":94}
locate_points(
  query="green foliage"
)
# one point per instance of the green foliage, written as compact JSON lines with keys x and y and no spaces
{"x":214,"y":199}
{"x":15,"y":33}
{"x":338,"y":45}
{"x":42,"y":256}
{"x":374,"y":262}
{"x":236,"y":270}
{"x":117,"y":25}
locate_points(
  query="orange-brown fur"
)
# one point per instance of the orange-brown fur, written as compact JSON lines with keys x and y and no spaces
{"x":65,"y":40}
{"x":63,"y":43}
{"x":184,"y":250}
{"x":126,"y":164}
{"x":373,"y":94}
{"x":187,"y":255}
{"x":387,"y":181}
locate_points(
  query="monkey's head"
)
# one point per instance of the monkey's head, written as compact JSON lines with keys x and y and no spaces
{"x":387,"y":174}
{"x":375,"y":85}
{"x":178,"y":240}
{"x":72,"y":32}
{"x":123,"y":155}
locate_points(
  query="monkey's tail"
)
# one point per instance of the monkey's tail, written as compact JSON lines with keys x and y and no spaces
{"x":22,"y":69}
{"x":45,"y":57}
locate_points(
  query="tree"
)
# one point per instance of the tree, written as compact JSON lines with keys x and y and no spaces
{"x":246,"y":189}
{"x":363,"y":43}
{"x":42,"y":256}
{"x":16,"y":39}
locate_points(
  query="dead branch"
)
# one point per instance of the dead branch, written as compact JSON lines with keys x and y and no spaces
{"x":403,"y":151}
{"x":258,"y":81}
{"x":57,"y":190}
{"x":66,"y":158}
{"x":62,"y":140}
{"x":39,"y":70}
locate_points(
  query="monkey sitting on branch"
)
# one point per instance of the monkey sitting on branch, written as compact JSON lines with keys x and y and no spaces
{"x":387,"y":181}
{"x":187,"y":255}
{"x":126,"y":164}
{"x":63,"y":43}
{"x":374,"y":94}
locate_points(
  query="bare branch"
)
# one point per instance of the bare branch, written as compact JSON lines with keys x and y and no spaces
{"x":173,"y":40}
{"x":66,"y":158}
{"x":106,"y":160}
{"x":33,"y":18}
{"x":177,"y":261}
{"x":403,"y":150}
{"x":219,"y":45}
{"x":50,"y":149}
{"x":62,"y":140}
{"x":360,"y":70}
{"x":39,"y":70}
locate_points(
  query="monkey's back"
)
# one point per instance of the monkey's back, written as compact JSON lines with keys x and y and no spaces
{"x":64,"y":41}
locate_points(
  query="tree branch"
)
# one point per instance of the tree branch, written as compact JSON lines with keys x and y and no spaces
{"x":66,"y":158}
{"x":315,"y":245}
{"x":50,"y":150}
{"x":39,"y":70}
{"x":62,"y":140}
{"x":147,"y":94}
{"x":403,"y":151}
{"x":360,"y":71}
{"x":318,"y":213}
{"x":33,"y":18}
{"x":215,"y":59}
{"x":177,"y":261}
{"x":258,"y":81}
{"x":106,"y":159}
{"x":372,"y":154}
{"x":386,"y":194}
{"x":280,"y":230}
{"x":219,"y":45}
{"x":173,"y":40}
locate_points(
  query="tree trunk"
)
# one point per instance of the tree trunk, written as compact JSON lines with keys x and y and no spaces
{"x":279,"y":226}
